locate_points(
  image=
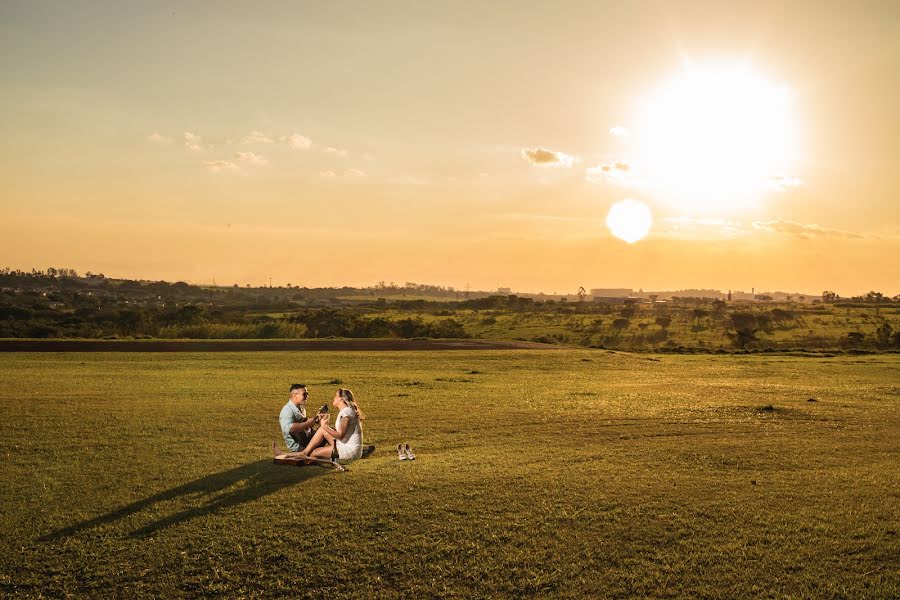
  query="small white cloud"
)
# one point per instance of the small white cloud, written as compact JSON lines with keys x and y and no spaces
{"x":405,"y":180}
{"x":257,"y":137}
{"x":346,"y":174}
{"x":368,"y":157}
{"x":337,"y":151}
{"x":193,"y":142}
{"x":619,"y":131}
{"x":158,"y":139}
{"x":251,"y":157}
{"x":703,"y":227}
{"x":616,"y":172}
{"x":220,"y":166}
{"x":295,"y":140}
{"x":542,"y":157}
{"x":804,"y":230}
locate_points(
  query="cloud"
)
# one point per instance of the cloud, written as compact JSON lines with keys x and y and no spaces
{"x":257,"y":137}
{"x":347,"y":173}
{"x":251,"y":157}
{"x":295,"y":140}
{"x":702,"y":228}
{"x":406,"y":180}
{"x":193,"y":142}
{"x":158,"y":139}
{"x":783,"y":183}
{"x":617,"y":172}
{"x":220,"y":166}
{"x":542,"y":157}
{"x":337,"y":151}
{"x":619,"y":131}
{"x":803,"y":230}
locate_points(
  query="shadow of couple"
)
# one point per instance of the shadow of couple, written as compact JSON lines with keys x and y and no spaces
{"x":216,"y":492}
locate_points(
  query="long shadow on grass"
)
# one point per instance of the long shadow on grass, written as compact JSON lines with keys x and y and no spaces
{"x":215,"y":492}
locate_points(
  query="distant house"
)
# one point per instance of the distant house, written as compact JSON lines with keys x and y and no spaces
{"x":611,"y":292}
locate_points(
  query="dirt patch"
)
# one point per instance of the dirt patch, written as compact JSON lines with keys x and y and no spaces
{"x":348,"y":345}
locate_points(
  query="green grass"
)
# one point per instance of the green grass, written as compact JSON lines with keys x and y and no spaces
{"x":570,"y":473}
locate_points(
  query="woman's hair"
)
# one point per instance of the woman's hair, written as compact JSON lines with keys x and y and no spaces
{"x":347,"y":396}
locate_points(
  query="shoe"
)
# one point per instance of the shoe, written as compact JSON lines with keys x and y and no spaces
{"x":400,"y":453}
{"x":367,"y":450}
{"x":409,"y":454}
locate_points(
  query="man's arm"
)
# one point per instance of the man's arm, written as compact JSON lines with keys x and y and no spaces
{"x":304,"y":425}
{"x":288,"y":426}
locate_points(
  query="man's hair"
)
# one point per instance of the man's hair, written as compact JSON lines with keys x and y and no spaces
{"x":298,"y":386}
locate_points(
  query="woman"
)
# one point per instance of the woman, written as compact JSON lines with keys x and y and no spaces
{"x":346,"y":434}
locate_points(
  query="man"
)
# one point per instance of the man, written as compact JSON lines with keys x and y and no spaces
{"x":295,"y":426}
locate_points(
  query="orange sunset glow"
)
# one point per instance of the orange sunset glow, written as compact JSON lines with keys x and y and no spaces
{"x":532,"y":146}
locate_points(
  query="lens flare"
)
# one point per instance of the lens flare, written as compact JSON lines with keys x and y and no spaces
{"x":629,"y":220}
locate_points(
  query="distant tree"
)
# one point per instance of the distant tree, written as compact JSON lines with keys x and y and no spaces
{"x":129,"y":321}
{"x":719,"y":307}
{"x":874,"y":296}
{"x":829,"y":296}
{"x":746,"y":326}
{"x":780,"y":316}
{"x":764,"y":322}
{"x":698,"y":314}
{"x":268,"y":330}
{"x":581,"y":294}
{"x":883,"y":334}
{"x":620,"y":324}
{"x":663,"y":322}
{"x":448,"y":328}
{"x":189,"y":314}
{"x":853,"y":339}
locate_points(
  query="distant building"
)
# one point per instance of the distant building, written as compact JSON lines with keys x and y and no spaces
{"x":611,"y":293}
{"x":504,"y":290}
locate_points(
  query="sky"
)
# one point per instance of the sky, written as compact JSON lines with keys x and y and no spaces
{"x":530,"y":145}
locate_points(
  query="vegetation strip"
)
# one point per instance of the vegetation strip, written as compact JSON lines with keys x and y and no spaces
{"x":259,"y":345}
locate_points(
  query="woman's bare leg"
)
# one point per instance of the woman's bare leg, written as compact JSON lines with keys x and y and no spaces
{"x":316,"y":441}
{"x":321,"y":453}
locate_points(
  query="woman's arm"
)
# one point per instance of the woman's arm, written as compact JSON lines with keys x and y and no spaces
{"x":339,"y":432}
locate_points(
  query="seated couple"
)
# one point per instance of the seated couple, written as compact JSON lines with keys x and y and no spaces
{"x":306,"y":441}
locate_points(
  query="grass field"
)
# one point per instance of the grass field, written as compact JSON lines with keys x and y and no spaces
{"x":566,"y":473}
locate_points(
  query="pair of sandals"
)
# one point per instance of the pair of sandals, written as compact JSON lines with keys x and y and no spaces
{"x":404,"y":453}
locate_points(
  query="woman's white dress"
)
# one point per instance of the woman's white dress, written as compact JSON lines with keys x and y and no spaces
{"x":349,"y":447}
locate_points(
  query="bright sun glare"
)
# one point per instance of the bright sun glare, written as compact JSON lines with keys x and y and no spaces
{"x":711,"y":139}
{"x":629,"y":220}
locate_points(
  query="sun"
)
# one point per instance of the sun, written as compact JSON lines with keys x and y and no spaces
{"x":629,"y":220}
{"x":712,"y":138}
